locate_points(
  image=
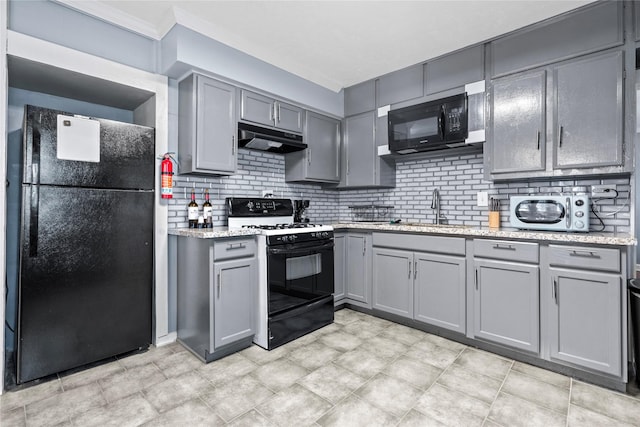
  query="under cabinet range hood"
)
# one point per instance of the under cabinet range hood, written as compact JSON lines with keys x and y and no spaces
{"x":266,"y":139}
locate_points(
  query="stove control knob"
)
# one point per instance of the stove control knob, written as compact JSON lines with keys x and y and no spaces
{"x":325,"y":234}
{"x":293,"y":237}
{"x":285,"y":238}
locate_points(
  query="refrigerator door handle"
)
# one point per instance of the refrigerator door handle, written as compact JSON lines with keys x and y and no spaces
{"x":33,"y":221}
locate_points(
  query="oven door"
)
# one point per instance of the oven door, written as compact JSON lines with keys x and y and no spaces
{"x":300,"y":278}
{"x":299,"y":274}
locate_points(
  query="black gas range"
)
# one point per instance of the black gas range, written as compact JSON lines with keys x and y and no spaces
{"x":295,"y":264}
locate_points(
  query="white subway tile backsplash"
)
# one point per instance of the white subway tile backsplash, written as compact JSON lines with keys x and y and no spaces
{"x":458,"y":179}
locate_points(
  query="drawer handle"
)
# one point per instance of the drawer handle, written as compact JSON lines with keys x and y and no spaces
{"x":584,"y":254}
{"x":233,"y":246}
{"x":504,"y":247}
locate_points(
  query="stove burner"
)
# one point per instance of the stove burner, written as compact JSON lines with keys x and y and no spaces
{"x":282,"y":226}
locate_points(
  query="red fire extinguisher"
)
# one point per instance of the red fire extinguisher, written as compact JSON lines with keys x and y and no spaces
{"x":166,"y":173}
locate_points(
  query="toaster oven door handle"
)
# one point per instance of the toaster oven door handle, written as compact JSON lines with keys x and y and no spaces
{"x":568,"y":213}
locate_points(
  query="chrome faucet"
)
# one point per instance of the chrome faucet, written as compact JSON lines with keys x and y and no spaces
{"x":435,"y":204}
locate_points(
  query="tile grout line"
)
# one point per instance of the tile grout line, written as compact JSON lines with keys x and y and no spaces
{"x":504,"y":380}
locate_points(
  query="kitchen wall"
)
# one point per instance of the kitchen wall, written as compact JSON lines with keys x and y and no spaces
{"x":458,"y":177}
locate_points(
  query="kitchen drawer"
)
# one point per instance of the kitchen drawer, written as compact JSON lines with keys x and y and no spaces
{"x":505,"y":249}
{"x":585,"y":257}
{"x":233,"y":248}
{"x":422,"y":243}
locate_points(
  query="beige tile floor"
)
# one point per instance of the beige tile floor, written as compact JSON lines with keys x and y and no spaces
{"x":360,"y":371}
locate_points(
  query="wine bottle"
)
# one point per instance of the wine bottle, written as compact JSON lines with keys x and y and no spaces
{"x":192,"y":209}
{"x":207,"y":210}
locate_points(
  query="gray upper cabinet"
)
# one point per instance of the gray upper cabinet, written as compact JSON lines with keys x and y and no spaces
{"x":360,"y":98}
{"x":401,"y":85}
{"x":206,"y":126}
{"x":262,"y":109}
{"x":589,"y":119}
{"x":454,"y":70}
{"x":563,"y":120}
{"x":590,"y":29}
{"x":320,"y":162}
{"x":518,"y":131}
{"x":361,"y":165}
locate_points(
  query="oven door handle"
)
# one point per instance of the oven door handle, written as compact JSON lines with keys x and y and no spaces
{"x":298,"y":251}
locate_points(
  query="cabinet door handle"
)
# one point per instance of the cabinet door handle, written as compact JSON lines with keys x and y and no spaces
{"x":476,"y":279}
{"x":560,"y":132}
{"x":308,"y":156}
{"x":219,"y":285}
{"x":538,"y":140}
{"x":272,"y":113}
{"x":364,"y":246}
{"x":409,"y":269}
{"x":415,"y":269}
{"x":233,"y":144}
{"x":584,"y":254}
{"x":555,"y":291}
{"x":504,"y":247}
{"x":278,"y":111}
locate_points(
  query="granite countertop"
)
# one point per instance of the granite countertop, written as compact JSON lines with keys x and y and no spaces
{"x":501,"y":233}
{"x":212,"y":233}
{"x":449,"y":230}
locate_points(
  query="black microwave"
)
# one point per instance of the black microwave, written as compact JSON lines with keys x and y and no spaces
{"x":429,"y":126}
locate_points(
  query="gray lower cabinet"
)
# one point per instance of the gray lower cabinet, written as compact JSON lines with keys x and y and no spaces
{"x":421,"y":277}
{"x":506,"y":294}
{"x":439,"y":290}
{"x":320,"y":162}
{"x":585,"y":327}
{"x":361,"y":165}
{"x":207,"y":126}
{"x":265,"y":110}
{"x":217,"y":286}
{"x":393,"y":276}
{"x":586,"y":296}
{"x":339,"y":260}
{"x":357,"y":270}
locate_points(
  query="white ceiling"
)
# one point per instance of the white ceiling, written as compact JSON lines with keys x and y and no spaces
{"x":333,"y":43}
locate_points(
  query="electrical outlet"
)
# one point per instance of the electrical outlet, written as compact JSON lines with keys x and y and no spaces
{"x":483,"y":198}
{"x":603,"y":190}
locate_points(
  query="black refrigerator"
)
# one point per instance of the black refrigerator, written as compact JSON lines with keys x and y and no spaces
{"x":86,"y":256}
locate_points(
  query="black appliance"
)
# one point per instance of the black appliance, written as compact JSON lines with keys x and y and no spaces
{"x":267,"y":139}
{"x":296,"y":273}
{"x":300,"y":210}
{"x":429,"y":126}
{"x":301,"y":283}
{"x":86,"y":261}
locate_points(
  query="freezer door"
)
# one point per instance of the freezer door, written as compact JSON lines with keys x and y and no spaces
{"x":125,"y":160}
{"x":86,"y":277}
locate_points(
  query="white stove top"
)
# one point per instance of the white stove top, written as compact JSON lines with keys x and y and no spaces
{"x":276,"y":225}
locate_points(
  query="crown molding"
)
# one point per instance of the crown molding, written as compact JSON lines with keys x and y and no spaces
{"x":114,"y":16}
